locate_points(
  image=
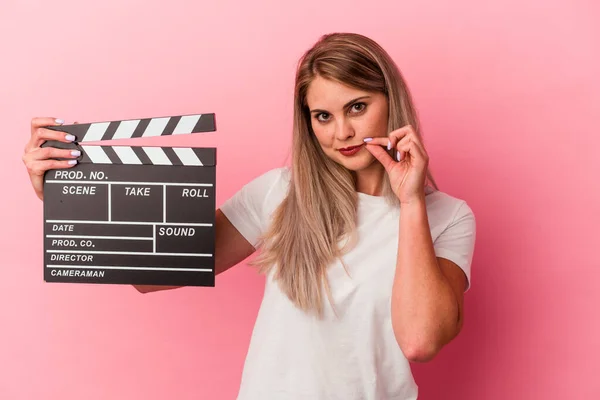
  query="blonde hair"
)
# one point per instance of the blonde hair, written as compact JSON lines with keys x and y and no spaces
{"x":319,"y":210}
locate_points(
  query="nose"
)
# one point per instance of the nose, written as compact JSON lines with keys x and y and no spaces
{"x":344,"y":130}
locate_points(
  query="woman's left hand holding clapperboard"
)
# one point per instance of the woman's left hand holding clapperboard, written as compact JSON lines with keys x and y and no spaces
{"x":39,"y":159}
{"x":55,"y":146}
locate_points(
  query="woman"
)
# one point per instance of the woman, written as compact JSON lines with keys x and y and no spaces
{"x":366,"y":261}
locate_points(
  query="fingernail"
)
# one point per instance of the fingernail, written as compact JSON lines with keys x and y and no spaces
{"x":75,"y":153}
{"x":398,"y":156}
{"x":59,"y":121}
{"x":70,"y":137}
{"x":368,"y":139}
{"x":72,"y":162}
{"x":389,"y":145}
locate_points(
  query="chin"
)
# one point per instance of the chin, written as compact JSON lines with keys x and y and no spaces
{"x":356,"y":163}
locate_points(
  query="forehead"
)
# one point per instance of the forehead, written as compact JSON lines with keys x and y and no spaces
{"x":328,"y":94}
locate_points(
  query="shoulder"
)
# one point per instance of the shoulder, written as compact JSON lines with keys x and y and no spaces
{"x":275,"y":180}
{"x":453,"y":230}
{"x":279,"y":175}
{"x":264,"y":192}
{"x":444,"y":209}
{"x":250,"y":208}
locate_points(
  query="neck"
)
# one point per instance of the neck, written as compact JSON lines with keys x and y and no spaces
{"x":370,"y":179}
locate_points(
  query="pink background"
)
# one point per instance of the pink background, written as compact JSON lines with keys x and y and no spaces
{"x":509,"y":96}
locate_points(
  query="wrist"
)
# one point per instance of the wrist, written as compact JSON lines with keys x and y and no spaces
{"x":416,"y":201}
{"x":413,"y":212}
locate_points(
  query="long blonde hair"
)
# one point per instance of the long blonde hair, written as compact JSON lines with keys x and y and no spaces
{"x":319,"y":210}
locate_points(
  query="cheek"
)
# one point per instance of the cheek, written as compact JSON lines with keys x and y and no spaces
{"x":376,"y":126}
{"x":324,"y":136}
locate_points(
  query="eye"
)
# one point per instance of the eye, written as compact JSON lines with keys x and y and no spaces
{"x":358,"y":107}
{"x":322,"y":117}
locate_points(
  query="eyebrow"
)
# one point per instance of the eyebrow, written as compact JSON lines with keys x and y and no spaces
{"x":348,"y":104}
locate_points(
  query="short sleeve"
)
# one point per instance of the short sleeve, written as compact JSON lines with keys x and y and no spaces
{"x":249,"y":208}
{"x":457,"y":242}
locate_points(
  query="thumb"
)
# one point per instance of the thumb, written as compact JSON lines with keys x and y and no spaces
{"x":380,"y":154}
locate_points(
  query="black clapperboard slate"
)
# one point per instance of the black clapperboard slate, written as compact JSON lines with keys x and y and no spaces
{"x":132,"y":215}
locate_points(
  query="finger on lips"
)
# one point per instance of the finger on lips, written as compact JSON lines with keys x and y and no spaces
{"x":404,"y":146}
{"x":381,"y":140}
{"x":403,"y":140}
{"x":393,"y":139}
{"x":389,"y":143}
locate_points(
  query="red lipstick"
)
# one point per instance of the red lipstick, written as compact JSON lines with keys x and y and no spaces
{"x":351,"y":150}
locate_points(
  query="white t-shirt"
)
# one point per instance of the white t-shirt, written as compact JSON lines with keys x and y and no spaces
{"x":293,"y":355}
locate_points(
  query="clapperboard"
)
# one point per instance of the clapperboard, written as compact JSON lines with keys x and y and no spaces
{"x":132,"y":215}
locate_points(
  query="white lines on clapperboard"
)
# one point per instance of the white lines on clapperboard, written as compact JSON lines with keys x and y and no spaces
{"x":131,"y":253}
{"x":130,"y":268}
{"x":109,"y":203}
{"x":79,"y":221}
{"x":98,"y":237}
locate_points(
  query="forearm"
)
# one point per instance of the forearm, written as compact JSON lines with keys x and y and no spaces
{"x":425,"y":311}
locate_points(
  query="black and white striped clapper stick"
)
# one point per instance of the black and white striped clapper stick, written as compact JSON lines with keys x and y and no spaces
{"x":140,"y":128}
{"x":131,"y":155}
{"x":132,"y":214}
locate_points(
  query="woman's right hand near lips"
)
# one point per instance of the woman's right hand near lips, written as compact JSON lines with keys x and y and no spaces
{"x":39,"y":159}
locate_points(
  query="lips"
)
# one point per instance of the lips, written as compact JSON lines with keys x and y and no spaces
{"x":351,"y":150}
